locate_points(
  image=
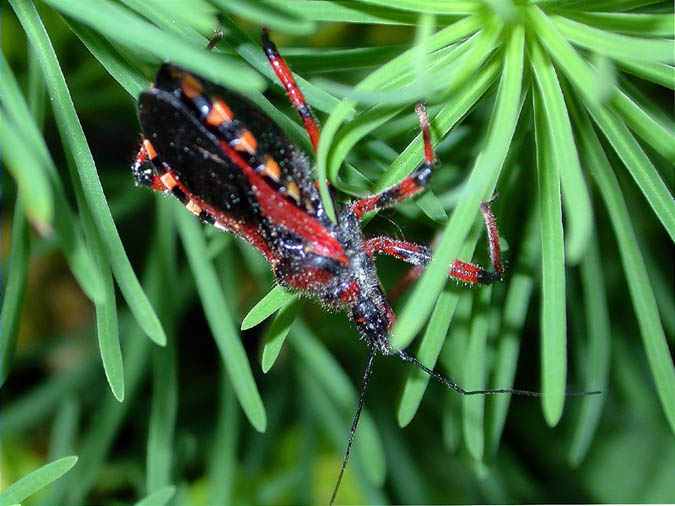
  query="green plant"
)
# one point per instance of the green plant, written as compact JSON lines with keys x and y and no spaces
{"x":560,"y":105}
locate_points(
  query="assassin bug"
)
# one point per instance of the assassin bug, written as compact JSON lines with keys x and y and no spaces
{"x":232,"y":166}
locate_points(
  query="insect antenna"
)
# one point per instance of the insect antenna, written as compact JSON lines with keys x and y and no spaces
{"x":441,"y":378}
{"x":355,"y":421}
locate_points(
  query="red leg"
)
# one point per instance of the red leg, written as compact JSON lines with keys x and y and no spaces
{"x":292,"y":89}
{"x":419,"y":255}
{"x":411,"y":185}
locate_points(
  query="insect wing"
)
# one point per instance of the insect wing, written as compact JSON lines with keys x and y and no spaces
{"x":240,"y":123}
{"x":193,"y":154}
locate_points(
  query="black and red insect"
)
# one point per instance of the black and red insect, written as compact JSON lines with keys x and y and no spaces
{"x":234,"y":168}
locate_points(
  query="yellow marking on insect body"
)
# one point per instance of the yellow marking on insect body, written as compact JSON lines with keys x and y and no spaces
{"x":149,"y":149}
{"x":193,"y":207}
{"x":191,"y":86}
{"x":168,"y":181}
{"x":220,"y":113}
{"x":272,"y":168}
{"x":293,"y":190}
{"x":246,"y":142}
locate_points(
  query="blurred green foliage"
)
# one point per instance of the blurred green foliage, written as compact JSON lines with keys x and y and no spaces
{"x":562,"y":107}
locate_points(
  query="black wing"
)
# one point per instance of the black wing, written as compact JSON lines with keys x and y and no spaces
{"x":193,"y":153}
{"x":286,"y":168}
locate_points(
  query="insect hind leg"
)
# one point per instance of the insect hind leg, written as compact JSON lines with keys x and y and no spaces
{"x":419,"y":256}
{"x":411,"y":185}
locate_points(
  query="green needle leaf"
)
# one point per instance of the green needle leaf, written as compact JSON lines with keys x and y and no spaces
{"x":577,"y":201}
{"x":276,"y":334}
{"x":29,"y":173}
{"x":474,"y":376}
{"x":324,"y":368}
{"x":220,"y":322}
{"x":479,"y":187}
{"x":446,"y":119}
{"x":15,"y":288}
{"x":67,"y":230}
{"x":431,"y":344}
{"x":36,"y":481}
{"x":76,"y":143}
{"x":106,"y":324}
{"x":275,"y":299}
{"x":637,"y":162}
{"x":158,"y":498}
{"x":616,"y":45}
{"x":130,"y":30}
{"x":642,"y":295}
{"x":553,"y":319}
{"x":277,"y":17}
{"x":515,"y":312}
{"x":385,"y":74}
{"x":660,"y":137}
{"x":597,"y":361}
{"x":436,"y":7}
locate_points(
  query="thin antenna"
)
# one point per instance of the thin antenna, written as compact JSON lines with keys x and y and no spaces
{"x":454,"y":386}
{"x":355,"y":421}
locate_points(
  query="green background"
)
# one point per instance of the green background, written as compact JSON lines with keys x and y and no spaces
{"x":132,"y":337}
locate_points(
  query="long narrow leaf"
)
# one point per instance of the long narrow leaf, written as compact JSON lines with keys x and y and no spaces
{"x":107,"y":329}
{"x":276,"y":334}
{"x":351,"y":12}
{"x":515,"y":311}
{"x":27,"y":119}
{"x":383,"y":75}
{"x":326,"y":370}
{"x":36,"y":480}
{"x":644,"y":303}
{"x":274,"y":300}
{"x":446,"y":119}
{"x":164,"y":404}
{"x":223,"y":459}
{"x":479,"y":187}
{"x":62,"y":443}
{"x":12,"y":301}
{"x":74,"y":140}
{"x":29,"y":174}
{"x":597,"y":362}
{"x":553,"y":319}
{"x":475,"y":376}
{"x":610,"y":44}
{"x":218,"y":317}
{"x":580,"y":74}
{"x":127,"y":29}
{"x":638,"y":164}
{"x":159,"y":498}
{"x":645,"y":25}
{"x":457,"y":66}
{"x":660,"y":137}
{"x":430,"y":346}
{"x":276,"y":17}
{"x":578,"y":210}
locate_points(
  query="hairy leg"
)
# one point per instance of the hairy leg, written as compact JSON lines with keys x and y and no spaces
{"x":420,"y":255}
{"x":411,"y":185}
{"x":292,"y":89}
